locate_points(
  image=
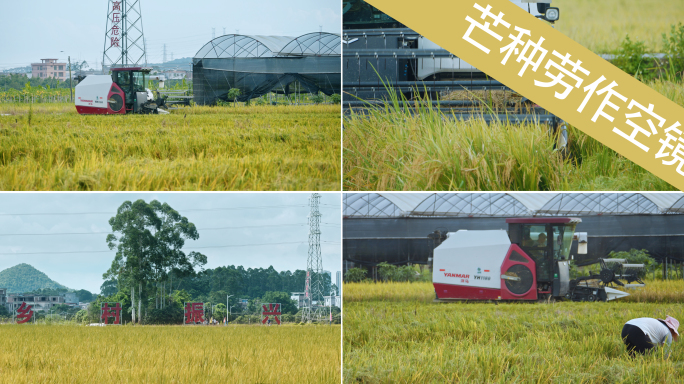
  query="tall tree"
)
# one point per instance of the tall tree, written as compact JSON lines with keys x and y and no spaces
{"x":148,"y":239}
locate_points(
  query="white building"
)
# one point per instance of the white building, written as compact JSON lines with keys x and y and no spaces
{"x":338,"y":282}
{"x":333,"y":301}
{"x":299,"y":298}
{"x":38,"y":302}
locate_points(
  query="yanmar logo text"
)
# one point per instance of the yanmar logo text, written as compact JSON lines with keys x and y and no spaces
{"x":457,"y":275}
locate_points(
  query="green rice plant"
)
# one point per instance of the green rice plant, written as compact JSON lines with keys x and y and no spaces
{"x":169,"y":354}
{"x":421,"y":148}
{"x":194,"y":148}
{"x":390,"y":339}
{"x":393,"y":147}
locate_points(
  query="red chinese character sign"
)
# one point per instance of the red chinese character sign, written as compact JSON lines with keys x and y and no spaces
{"x":194,"y":313}
{"x":116,"y":19}
{"x":273,"y":309}
{"x":24,"y":313}
{"x":110,"y":310}
{"x":124,"y":40}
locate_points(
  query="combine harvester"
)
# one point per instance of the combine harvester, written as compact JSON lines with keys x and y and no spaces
{"x":122,"y":92}
{"x":379,"y":49}
{"x":530,"y":262}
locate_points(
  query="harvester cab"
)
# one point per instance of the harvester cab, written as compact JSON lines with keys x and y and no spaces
{"x":547,"y":241}
{"x":530,"y":261}
{"x":125,"y":91}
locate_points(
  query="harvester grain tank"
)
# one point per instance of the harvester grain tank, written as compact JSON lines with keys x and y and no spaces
{"x":124,"y":91}
{"x":530,"y":261}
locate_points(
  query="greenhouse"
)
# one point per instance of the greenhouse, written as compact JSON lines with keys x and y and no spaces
{"x":258,"y":65}
{"x":402,"y":228}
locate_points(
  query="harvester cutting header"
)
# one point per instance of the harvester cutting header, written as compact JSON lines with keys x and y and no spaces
{"x":529,"y":262}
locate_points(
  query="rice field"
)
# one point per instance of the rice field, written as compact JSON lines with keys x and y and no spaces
{"x":169,"y":354}
{"x":602,"y":25}
{"x":51,"y":147}
{"x":397,"y":149}
{"x":393,"y":333}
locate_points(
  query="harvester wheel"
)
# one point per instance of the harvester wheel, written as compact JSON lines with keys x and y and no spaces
{"x":591,"y":298}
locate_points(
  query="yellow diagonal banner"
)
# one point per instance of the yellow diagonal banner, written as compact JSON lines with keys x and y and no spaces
{"x":529,"y":56}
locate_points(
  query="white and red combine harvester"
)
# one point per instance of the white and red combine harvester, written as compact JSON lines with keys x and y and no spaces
{"x":121,"y":92}
{"x":530,"y":261}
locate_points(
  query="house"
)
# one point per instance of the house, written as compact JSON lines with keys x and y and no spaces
{"x":3,"y":297}
{"x":38,"y":302}
{"x":332,"y":301}
{"x":299,"y":299}
{"x":50,"y":68}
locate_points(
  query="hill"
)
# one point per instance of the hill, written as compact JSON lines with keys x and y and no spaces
{"x":25,"y":278}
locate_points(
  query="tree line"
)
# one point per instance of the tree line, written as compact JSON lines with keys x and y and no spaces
{"x":153,"y":277}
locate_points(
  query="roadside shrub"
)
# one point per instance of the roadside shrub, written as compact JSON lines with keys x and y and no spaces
{"x":171,"y":314}
{"x":81,"y":316}
{"x":355,"y":275}
{"x":674,"y":49}
{"x":630,"y":58}
{"x":389,"y":272}
{"x":317,"y":98}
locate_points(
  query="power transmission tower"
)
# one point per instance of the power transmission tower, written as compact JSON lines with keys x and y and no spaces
{"x":164,"y":59}
{"x":124,"y":44}
{"x":314,"y":266}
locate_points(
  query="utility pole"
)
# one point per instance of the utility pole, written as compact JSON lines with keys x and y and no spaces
{"x":227,"y":305}
{"x":71,"y":94}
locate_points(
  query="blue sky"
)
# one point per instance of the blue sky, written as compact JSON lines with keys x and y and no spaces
{"x":246,"y":221}
{"x":33,"y":30}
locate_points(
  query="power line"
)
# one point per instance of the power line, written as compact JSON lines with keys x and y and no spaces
{"x":199,"y":229}
{"x":177,"y":210}
{"x":187,"y":249}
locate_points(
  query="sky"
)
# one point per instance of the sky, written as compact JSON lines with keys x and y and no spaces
{"x":41,"y":28}
{"x":244,"y":221}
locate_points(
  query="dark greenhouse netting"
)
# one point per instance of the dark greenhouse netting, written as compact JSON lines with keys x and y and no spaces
{"x":258,"y":65}
{"x":403,"y":228}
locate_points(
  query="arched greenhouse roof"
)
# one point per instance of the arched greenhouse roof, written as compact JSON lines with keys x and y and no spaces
{"x":251,"y":46}
{"x":229,"y":46}
{"x":371,"y":205}
{"x":313,"y":44}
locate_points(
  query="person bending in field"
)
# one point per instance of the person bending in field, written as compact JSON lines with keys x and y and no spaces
{"x":644,"y":334}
